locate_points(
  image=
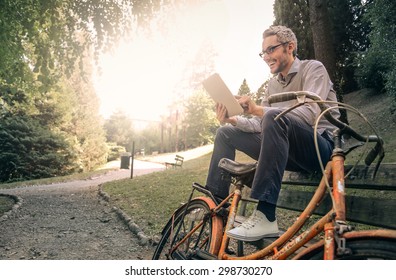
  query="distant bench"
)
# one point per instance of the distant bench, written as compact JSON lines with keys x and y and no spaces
{"x":178,"y":162}
{"x":376,"y":209}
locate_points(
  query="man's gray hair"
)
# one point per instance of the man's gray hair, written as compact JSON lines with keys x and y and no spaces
{"x":283,"y":33}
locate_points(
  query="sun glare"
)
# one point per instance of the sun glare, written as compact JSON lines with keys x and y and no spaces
{"x":142,"y":76}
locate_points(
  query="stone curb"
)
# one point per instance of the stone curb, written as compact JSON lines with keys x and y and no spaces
{"x":132,"y":226}
{"x":17,"y":203}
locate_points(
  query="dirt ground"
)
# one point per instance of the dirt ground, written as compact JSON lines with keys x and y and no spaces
{"x":68,"y":221}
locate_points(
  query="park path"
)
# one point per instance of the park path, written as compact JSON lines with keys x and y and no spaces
{"x":69,"y":221}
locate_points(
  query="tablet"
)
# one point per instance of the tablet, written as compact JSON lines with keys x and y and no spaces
{"x":220,"y":93}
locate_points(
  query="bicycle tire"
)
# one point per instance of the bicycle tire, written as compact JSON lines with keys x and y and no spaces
{"x":207,"y":238}
{"x":377,"y":248}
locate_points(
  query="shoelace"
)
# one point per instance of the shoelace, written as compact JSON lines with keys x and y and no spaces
{"x":251,"y":221}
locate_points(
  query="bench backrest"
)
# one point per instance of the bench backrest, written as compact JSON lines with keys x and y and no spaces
{"x":377,"y":208}
{"x":179,"y":160}
{"x":368,"y":201}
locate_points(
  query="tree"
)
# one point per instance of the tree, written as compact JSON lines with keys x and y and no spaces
{"x":244,"y":89}
{"x":30,"y":151}
{"x":376,"y":65}
{"x":323,"y":42}
{"x":200,"y":120}
{"x":295,"y":15}
{"x":149,"y":138}
{"x":259,"y":95}
{"x":46,"y":35}
{"x":322,"y":35}
{"x":350,"y":36}
{"x":84,"y":125}
{"x":119,"y":129}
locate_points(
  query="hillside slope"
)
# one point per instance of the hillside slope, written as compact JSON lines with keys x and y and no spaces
{"x":376,"y":109}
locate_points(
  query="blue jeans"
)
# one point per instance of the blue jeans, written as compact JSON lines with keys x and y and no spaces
{"x":285,"y":144}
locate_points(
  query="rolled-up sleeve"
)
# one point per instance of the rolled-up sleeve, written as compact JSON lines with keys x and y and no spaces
{"x":252,"y":124}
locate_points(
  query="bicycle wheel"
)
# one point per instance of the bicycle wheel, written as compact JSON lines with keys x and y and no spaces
{"x":206,"y":238}
{"x":377,"y":248}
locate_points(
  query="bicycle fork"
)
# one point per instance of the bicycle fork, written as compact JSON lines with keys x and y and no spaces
{"x":335,"y":229}
{"x":236,"y":197}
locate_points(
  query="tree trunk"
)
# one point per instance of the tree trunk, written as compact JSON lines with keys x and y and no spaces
{"x":321,"y":33}
{"x":323,"y":41}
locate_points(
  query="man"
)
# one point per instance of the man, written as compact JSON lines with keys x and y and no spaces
{"x":286,"y":144}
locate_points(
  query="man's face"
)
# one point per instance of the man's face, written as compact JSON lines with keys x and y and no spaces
{"x":278,"y":56}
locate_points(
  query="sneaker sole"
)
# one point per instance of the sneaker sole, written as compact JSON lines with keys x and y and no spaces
{"x":253,"y":238}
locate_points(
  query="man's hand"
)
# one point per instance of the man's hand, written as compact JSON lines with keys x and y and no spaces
{"x":222,"y":115}
{"x":250,"y":107}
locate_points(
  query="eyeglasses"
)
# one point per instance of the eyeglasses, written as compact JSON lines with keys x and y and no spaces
{"x":271,"y":49}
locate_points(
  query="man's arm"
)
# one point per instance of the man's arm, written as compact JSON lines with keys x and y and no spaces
{"x":244,"y":124}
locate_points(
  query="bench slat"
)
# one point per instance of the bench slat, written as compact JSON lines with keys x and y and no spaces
{"x":361,"y":178}
{"x":178,"y":162}
{"x":371,"y":211}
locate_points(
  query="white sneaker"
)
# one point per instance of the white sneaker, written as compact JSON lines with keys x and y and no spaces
{"x":255,"y":228}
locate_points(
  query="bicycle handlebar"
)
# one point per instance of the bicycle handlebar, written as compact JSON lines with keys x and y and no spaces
{"x":344,"y":128}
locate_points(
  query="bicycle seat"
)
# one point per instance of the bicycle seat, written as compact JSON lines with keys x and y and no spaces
{"x":237,"y":168}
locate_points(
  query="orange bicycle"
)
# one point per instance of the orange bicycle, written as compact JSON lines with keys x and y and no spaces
{"x":198,"y":229}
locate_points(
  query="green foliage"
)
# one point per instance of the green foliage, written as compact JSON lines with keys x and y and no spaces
{"x":31,"y":151}
{"x":200,"y":120}
{"x":349,"y":36}
{"x":47,"y":35}
{"x":376,"y":65}
{"x":149,"y":139}
{"x":119,"y":129}
{"x":295,"y":15}
{"x":244,"y":89}
{"x":82,"y":122}
{"x":114,"y":151}
{"x":259,"y":95}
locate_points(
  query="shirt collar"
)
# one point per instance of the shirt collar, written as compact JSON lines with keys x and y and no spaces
{"x":292,"y":71}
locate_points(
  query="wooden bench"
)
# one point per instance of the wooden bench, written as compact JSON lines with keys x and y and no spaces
{"x":178,"y":162}
{"x":368,"y":201}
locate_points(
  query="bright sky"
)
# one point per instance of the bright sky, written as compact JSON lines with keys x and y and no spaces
{"x":140,"y":76}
